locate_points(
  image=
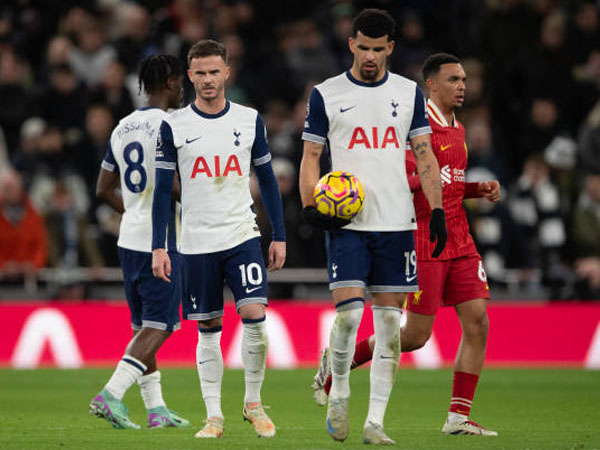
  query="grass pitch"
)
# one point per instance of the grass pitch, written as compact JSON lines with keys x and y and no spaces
{"x":531,"y":409}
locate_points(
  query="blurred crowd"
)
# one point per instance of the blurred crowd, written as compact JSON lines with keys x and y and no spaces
{"x":532,"y":114}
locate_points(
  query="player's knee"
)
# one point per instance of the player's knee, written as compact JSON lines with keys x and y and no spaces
{"x":210,"y":323}
{"x":414,"y":339}
{"x":252,"y":311}
{"x":477,"y":328}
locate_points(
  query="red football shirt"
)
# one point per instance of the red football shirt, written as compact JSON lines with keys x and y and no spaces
{"x":450,"y":149}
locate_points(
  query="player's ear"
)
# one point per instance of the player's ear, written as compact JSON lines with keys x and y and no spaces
{"x":351,"y":44}
{"x":430,"y":83}
{"x":390,"y":47}
{"x":189,"y":74}
{"x":227,"y":72}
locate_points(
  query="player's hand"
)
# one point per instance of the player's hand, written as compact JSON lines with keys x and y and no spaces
{"x":276,"y":255}
{"x":161,"y":264}
{"x":437,"y":231}
{"x":489,"y":190}
{"x":316,"y":219}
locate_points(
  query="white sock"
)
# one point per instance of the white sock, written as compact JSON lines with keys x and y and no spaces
{"x":151,"y":390}
{"x":457,"y":418}
{"x":386,"y":321}
{"x":127,"y":372}
{"x":342,"y":341}
{"x":209,"y":362}
{"x":255,"y":344}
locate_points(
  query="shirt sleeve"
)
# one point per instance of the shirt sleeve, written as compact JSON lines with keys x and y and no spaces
{"x":420,"y":121}
{"x":269,"y":188}
{"x":109,"y":163}
{"x":166,"y":153}
{"x":166,"y":162}
{"x":316,"y":125}
{"x":260,"y":147}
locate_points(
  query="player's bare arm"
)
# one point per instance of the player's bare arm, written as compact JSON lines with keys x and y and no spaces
{"x":106,"y":189}
{"x":161,"y":264}
{"x":429,"y":174}
{"x":309,"y":172}
{"x":428,"y":169}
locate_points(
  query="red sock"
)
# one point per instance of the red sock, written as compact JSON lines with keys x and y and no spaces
{"x":463,"y":390}
{"x":362,"y":354}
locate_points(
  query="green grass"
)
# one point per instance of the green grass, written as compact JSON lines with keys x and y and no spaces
{"x":531,"y":409}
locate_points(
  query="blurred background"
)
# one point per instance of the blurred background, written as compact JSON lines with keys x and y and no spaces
{"x":532,"y":115}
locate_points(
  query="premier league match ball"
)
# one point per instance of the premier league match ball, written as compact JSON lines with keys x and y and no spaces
{"x":339,"y":194}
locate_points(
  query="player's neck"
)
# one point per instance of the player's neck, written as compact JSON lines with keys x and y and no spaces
{"x":447,"y":111}
{"x":158,"y":101}
{"x":213,"y":106}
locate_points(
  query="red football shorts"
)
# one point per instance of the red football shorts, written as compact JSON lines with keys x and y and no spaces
{"x":448,"y":283}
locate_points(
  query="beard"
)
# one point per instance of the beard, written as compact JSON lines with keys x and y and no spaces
{"x":369,"y":75}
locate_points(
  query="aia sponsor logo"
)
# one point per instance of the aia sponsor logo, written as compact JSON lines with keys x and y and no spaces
{"x":202,"y":166}
{"x":373,"y":139}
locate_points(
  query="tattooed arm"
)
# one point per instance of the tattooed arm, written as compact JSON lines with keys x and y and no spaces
{"x":428,"y":169}
{"x":309,"y":172}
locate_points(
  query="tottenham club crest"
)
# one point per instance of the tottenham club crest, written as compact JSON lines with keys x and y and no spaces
{"x":237,"y":135}
{"x":394,"y":106}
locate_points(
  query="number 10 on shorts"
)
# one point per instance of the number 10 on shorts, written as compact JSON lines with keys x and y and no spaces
{"x":251,"y":274}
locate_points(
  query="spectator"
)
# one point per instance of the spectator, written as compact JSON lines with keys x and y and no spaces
{"x":113,"y":92}
{"x":23,"y":246}
{"x":589,"y":141}
{"x":586,"y":239}
{"x":535,"y":207}
{"x":15,"y":92}
{"x":92,"y":54}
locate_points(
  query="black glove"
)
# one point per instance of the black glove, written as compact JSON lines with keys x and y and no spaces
{"x":316,"y":219}
{"x":437,"y":231}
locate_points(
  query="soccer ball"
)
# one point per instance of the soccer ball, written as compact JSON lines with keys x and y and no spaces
{"x":339,"y":194}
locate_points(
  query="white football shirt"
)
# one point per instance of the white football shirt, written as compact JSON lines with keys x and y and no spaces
{"x":213,"y":154}
{"x":131,"y":153}
{"x":365,"y":127}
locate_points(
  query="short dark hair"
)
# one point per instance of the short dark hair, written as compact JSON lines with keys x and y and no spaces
{"x":155,"y":70}
{"x":432,"y":64}
{"x":207,"y":47}
{"x":374,"y":23}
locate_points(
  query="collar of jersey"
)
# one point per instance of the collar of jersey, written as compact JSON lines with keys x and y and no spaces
{"x":362,"y":83}
{"x":146,"y":108}
{"x":211,"y":116}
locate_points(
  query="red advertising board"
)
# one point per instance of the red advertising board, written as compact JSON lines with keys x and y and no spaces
{"x":77,"y":334}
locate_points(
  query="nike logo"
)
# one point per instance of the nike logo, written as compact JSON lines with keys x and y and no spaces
{"x":409,"y":279}
{"x":189,"y":141}
{"x":205,"y":361}
{"x":444,"y":147}
{"x":343,"y":110}
{"x":255,"y":353}
{"x":248,"y":290}
{"x":387,"y":357}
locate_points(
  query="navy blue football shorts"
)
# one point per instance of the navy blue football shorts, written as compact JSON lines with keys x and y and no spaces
{"x":153,"y":303}
{"x":242,"y":267}
{"x":377,"y":261}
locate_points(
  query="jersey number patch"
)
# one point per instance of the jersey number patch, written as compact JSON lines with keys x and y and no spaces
{"x":135,"y":174}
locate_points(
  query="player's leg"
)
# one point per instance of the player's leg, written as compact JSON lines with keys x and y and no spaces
{"x":393,"y":274}
{"x":160,"y":317}
{"x":202,"y":301}
{"x":246,"y":276}
{"x":348,"y":264}
{"x":107,"y":404}
{"x":466,"y":282}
